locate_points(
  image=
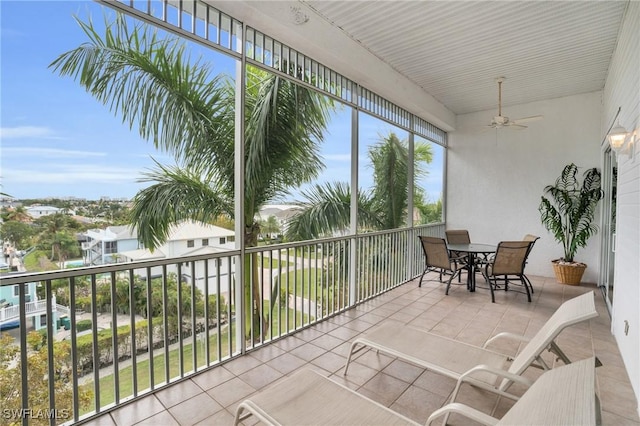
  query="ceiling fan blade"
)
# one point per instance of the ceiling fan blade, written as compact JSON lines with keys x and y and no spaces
{"x":528,"y":119}
{"x":515,"y":126}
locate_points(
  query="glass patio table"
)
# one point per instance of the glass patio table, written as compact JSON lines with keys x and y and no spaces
{"x":474,"y":251}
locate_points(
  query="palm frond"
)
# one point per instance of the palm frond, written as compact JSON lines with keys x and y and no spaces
{"x":327,"y":209}
{"x":150,"y":82}
{"x":285,"y":126}
{"x":178,"y":194}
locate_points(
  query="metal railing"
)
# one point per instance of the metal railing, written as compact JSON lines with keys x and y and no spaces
{"x":136,"y":327}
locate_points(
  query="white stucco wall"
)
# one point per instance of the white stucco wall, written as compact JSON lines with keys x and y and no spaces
{"x":622,"y":89}
{"x":496,"y":178}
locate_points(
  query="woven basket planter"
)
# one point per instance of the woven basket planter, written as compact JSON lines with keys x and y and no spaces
{"x":568,"y":273}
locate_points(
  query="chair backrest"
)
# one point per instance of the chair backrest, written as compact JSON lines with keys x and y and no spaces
{"x":510,"y":257}
{"x":532,"y":238}
{"x":573,"y":311}
{"x":435,"y":252}
{"x":457,"y":236}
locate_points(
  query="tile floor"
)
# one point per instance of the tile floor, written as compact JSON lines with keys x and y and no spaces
{"x":211,"y":397}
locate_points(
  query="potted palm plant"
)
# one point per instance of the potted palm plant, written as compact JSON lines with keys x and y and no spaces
{"x":568,"y":212}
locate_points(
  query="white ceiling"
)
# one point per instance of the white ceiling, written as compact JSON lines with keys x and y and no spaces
{"x":452,"y":50}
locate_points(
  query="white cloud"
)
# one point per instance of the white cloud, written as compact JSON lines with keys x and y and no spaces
{"x":80,"y":175}
{"x":49,"y":152}
{"x":25,"y":132}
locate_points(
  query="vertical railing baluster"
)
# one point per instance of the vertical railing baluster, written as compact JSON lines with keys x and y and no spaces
{"x":251,"y":302}
{"x":279,"y":295}
{"x":270,"y":316}
{"x":230,"y":319}
{"x":317,"y":278}
{"x":286,"y":312}
{"x":179,"y":315}
{"x":51,"y":371}
{"x":302,"y":284}
{"x":309,"y":295}
{"x":338,"y":272}
{"x":96,"y":353}
{"x":165,"y":323}
{"x":295,"y":291}
{"x":364,"y":260}
{"x":132,"y":319}
{"x":114,"y":339}
{"x":24,"y":359}
{"x":218,"y":316}
{"x":207,"y":356}
{"x":194,"y":331}
{"x":74,"y":349}
{"x":389,"y":258}
{"x":150,"y":350}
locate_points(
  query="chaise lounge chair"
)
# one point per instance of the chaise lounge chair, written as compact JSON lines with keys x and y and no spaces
{"x":564,"y":395}
{"x":457,"y":359}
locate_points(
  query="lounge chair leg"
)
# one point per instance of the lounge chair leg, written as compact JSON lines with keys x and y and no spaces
{"x":421,"y":276}
{"x":351,"y":352}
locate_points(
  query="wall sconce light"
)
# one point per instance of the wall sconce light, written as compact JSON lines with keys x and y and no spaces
{"x":622,"y":141}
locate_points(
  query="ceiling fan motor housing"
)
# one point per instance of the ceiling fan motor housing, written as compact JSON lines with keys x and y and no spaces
{"x":499,"y":119}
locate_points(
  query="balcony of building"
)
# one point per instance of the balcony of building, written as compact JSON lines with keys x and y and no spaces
{"x":179,"y":359}
{"x":314,"y":311}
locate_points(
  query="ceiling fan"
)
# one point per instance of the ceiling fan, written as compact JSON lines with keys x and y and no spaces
{"x":500,"y":121}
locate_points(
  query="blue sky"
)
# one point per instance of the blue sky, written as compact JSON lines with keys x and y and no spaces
{"x":57,"y":140}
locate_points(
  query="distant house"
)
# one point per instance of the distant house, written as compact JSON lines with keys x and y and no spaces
{"x":282,"y":212}
{"x":37,"y":211}
{"x":36,"y":310}
{"x":101,"y":246}
{"x":189,"y":239}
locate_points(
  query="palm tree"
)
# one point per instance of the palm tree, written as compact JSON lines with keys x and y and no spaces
{"x":268,"y":227}
{"x":57,"y":231}
{"x":152,"y":83}
{"x":327,"y":207}
{"x":18,"y":214}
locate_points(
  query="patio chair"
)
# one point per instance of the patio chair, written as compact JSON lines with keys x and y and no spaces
{"x":457,"y":236}
{"x":437,"y":258}
{"x":455,"y":359}
{"x":507,"y":266}
{"x":563,"y":396}
{"x":308,"y":398}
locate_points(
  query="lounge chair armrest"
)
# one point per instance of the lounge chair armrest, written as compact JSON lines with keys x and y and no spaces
{"x":470,"y":413}
{"x":467,"y":377}
{"x":498,"y":372}
{"x":506,"y":335}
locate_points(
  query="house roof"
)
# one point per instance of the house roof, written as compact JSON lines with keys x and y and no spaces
{"x":143,"y":254}
{"x":124,"y":232}
{"x":191,"y":230}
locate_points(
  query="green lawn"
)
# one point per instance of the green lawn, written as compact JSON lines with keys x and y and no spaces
{"x":107,"y":392}
{"x":273,"y":263}
{"x":304,"y":282}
